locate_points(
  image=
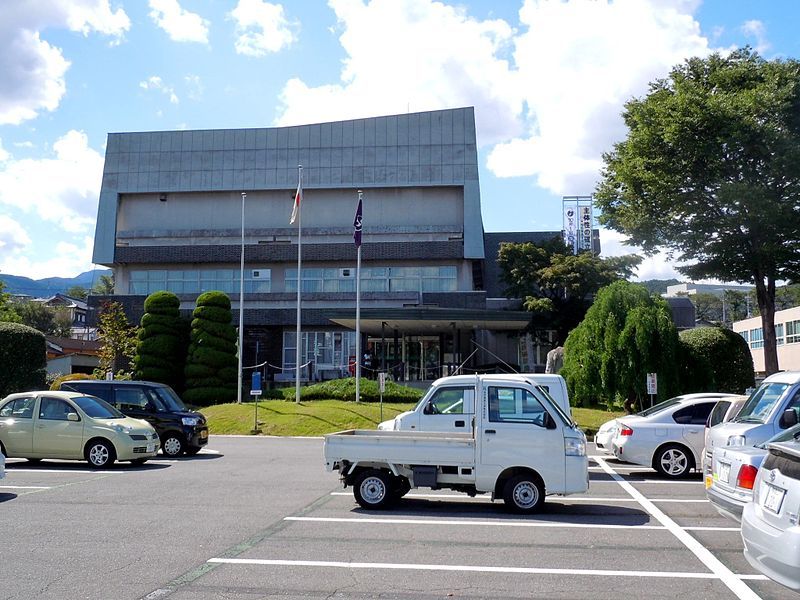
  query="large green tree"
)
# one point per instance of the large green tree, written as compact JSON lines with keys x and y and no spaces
{"x":710,"y":170}
{"x":627,"y":333}
{"x":557,"y":286}
{"x":8,"y":311}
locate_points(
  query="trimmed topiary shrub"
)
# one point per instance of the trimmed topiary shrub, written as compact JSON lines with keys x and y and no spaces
{"x":162,"y":343}
{"x":715,"y":359}
{"x":23,"y":359}
{"x":211,"y":364}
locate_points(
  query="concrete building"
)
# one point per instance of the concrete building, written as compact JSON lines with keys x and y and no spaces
{"x":170,"y":215}
{"x":717,"y":289}
{"x":787,"y":336}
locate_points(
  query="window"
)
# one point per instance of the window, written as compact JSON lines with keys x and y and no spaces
{"x":21,"y":408}
{"x":196,"y":281}
{"x":696,"y":414}
{"x":756,"y":338}
{"x":448,"y":401}
{"x":745,"y":335}
{"x":515,"y":405}
{"x":131,"y":398}
{"x":325,"y":349}
{"x":779,"y":334}
{"x":793,"y":332}
{"x":718,"y":413}
{"x":376,"y":279}
{"x":54,"y":409}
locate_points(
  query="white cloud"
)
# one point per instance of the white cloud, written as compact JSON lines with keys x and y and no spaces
{"x":659,"y":266}
{"x":417,"y":55}
{"x":13,"y":237}
{"x":62,"y":190}
{"x":68,"y":259}
{"x":577,"y":63}
{"x":4,"y":155}
{"x":180,"y":24}
{"x":156,"y":83}
{"x":756,"y":30}
{"x":32,"y":70}
{"x":261,"y":28}
{"x":194,"y":86}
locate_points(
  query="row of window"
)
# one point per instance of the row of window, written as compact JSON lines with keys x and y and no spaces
{"x":373,"y":279}
{"x":755,"y":337}
{"x":198,"y":281}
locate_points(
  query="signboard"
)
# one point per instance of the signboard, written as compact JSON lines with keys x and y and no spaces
{"x":585,"y":237}
{"x":382,"y":382}
{"x":652,"y":384}
{"x":255,"y":385}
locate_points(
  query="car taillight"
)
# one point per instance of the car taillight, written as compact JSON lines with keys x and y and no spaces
{"x":747,"y":477}
{"x":625,"y":430}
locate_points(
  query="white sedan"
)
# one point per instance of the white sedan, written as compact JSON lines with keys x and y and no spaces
{"x":667,"y":437}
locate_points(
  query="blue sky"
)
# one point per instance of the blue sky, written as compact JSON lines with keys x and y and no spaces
{"x":547,"y":79}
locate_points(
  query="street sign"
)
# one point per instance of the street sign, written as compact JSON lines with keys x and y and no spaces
{"x":652,"y":384}
{"x":382,"y":382}
{"x":255,"y":385}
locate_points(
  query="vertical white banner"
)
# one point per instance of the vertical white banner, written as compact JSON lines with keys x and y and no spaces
{"x":585,"y":237}
{"x":570,"y":227}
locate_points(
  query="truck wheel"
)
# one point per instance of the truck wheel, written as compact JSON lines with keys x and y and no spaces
{"x":524,"y":494}
{"x":372,"y":489}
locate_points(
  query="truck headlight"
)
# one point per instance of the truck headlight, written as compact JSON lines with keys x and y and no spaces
{"x":735,"y":440}
{"x":574,"y":447}
{"x":190,"y":421}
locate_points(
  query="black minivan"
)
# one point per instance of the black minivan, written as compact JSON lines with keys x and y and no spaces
{"x":182,"y":431}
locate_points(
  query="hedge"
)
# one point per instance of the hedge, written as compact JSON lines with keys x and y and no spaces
{"x":715,"y":359}
{"x":23,"y":359}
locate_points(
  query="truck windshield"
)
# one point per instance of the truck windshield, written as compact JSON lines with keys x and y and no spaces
{"x":170,"y":399}
{"x":759,"y":406}
{"x":564,"y":417}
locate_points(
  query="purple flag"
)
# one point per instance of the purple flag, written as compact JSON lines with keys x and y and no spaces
{"x":357,"y":226}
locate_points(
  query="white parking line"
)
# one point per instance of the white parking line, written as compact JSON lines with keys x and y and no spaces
{"x":25,"y":487}
{"x":701,"y":552}
{"x":466,"y":523}
{"x":470,"y":568}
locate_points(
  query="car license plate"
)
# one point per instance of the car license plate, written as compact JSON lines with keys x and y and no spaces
{"x":709,"y":481}
{"x":203,"y":434}
{"x":773,"y":498}
{"x":151,"y":447}
{"x":723,"y":472}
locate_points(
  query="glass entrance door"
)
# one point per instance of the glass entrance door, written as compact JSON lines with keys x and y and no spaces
{"x":422,"y":357}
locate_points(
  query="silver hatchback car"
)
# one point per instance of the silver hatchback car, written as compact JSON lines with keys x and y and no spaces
{"x":770,"y":530}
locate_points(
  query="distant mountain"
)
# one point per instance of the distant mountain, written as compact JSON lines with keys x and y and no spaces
{"x":43,"y":288}
{"x":659,"y":286}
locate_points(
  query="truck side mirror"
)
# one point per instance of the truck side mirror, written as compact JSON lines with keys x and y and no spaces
{"x":428,"y":409}
{"x":549,"y":421}
{"x":788,"y":418}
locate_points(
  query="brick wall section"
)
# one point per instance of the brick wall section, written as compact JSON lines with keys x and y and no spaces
{"x":228,"y":253}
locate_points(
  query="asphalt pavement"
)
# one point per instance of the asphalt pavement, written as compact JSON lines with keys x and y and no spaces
{"x":260,"y":518}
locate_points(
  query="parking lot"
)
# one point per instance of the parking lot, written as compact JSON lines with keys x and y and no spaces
{"x":259,"y":518}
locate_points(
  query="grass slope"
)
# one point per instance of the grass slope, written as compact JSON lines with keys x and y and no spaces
{"x":287,"y":418}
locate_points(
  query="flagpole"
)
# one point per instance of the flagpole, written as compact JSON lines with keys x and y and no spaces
{"x":241,"y":309}
{"x":299,"y":282}
{"x":358,"y":313}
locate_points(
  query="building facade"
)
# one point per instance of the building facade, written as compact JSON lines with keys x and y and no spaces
{"x":787,"y":336}
{"x":170,"y":218}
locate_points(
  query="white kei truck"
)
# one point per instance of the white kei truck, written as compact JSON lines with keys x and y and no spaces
{"x":520,"y":447}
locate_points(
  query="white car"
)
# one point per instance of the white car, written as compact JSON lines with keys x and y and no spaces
{"x":667,"y":437}
{"x":770,"y":529}
{"x":605,"y":435}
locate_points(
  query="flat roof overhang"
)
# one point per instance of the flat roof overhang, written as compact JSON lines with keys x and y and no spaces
{"x":430,"y":320}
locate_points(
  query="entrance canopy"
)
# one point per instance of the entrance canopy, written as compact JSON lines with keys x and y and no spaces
{"x":421,"y":320}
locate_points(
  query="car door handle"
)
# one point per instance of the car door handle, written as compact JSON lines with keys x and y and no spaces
{"x":460,"y":424}
{"x":492,"y":431}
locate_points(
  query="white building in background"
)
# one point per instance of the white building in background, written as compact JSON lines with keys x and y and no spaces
{"x":787,"y":335}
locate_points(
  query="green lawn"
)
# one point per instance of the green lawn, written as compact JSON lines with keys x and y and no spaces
{"x":318,"y":417}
